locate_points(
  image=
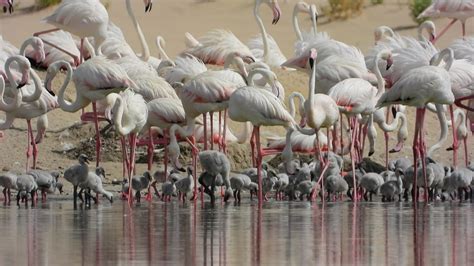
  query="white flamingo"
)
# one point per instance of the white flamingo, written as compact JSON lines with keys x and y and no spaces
{"x":94,"y":80}
{"x":427,"y":84}
{"x":455,"y":9}
{"x":87,"y":18}
{"x":261,"y":108}
{"x":28,"y":110}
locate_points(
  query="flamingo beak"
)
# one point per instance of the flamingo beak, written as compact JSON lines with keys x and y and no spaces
{"x":397,"y":148}
{"x":276,"y":12}
{"x":432,"y":37}
{"x":148,"y":5}
{"x":47,"y":85}
{"x":248,"y":59}
{"x":389,"y":63}
{"x":24,"y":80}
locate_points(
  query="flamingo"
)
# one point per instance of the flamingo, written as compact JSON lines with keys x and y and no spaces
{"x":454,"y":9}
{"x":77,"y":174}
{"x":7,"y":6}
{"x":209,"y":92}
{"x":28,"y":110}
{"x":321,"y":111}
{"x":130,"y":116}
{"x":463,"y":48}
{"x":94,"y":80}
{"x":423,"y":85}
{"x":264,"y":47}
{"x":87,"y":18}
{"x":358,"y":96}
{"x":261,"y":108}
{"x":461,"y":131}
{"x":216,"y":45}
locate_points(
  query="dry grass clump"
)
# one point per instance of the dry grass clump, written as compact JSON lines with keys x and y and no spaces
{"x":343,"y":9}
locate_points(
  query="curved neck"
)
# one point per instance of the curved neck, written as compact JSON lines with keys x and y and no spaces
{"x":38,"y":88}
{"x":262,"y":30}
{"x":444,"y":130}
{"x":424,"y":26}
{"x":254,"y":72}
{"x":380,"y":79}
{"x":160,"y":43}
{"x":296,"y":26}
{"x":118,"y":111}
{"x":447,"y":55}
{"x":8,"y":107}
{"x":79,"y":103}
{"x":145,"y":50}
{"x":312,"y":83}
{"x":314,"y":19}
{"x":458,"y":113}
{"x":25,"y":44}
{"x":291,"y":103}
{"x":8,"y":71}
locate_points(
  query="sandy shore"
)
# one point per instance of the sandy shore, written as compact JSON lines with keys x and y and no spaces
{"x":171,"y":19}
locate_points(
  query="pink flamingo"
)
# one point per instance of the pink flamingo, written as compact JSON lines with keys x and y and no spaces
{"x":130,"y":116}
{"x":261,"y":108}
{"x":87,"y":18}
{"x":28,"y":110}
{"x":94,"y":80}
{"x":7,"y":6}
{"x":358,"y":96}
{"x":216,"y":45}
{"x":423,"y":85}
{"x":321,"y":111}
{"x":461,"y":131}
{"x":455,"y":9}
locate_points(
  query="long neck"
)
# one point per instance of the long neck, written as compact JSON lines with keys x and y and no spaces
{"x":379,"y":118}
{"x":444,"y":129}
{"x":312,"y":83}
{"x":8,"y":71}
{"x":145,"y":50}
{"x":8,"y":107}
{"x":296,"y":26}
{"x":314,"y":19}
{"x":160,"y":43}
{"x":26,"y":43}
{"x":254,"y":72}
{"x":118,"y":111}
{"x":79,"y":103}
{"x":262,"y":30}
{"x":380,"y":79}
{"x":423,"y":26}
{"x":291,"y":102}
{"x":38,"y":88}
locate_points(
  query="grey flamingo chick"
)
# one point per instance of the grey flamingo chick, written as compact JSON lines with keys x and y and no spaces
{"x":238,"y":182}
{"x":392,"y":188}
{"x":45,"y":180}
{"x":77,"y":174}
{"x":94,"y":183}
{"x":140,"y":183}
{"x":168,"y":189}
{"x":336,"y":185}
{"x":8,"y":181}
{"x":26,"y":185}
{"x":185,"y":185}
{"x":306,"y":189}
{"x":215,"y":163}
{"x":371,"y":183}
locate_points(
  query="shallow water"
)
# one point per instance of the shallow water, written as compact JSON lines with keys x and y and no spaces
{"x":280,"y":233}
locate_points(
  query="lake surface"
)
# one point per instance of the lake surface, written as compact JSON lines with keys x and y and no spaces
{"x":280,"y":233}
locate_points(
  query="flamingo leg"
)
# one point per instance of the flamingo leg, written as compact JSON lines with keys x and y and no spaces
{"x":224,"y":143}
{"x":29,"y":149}
{"x":252,"y":147}
{"x":204,"y":119}
{"x":132,"y":143}
{"x":416,"y":153}
{"x":466,"y":156}
{"x":342,"y":137}
{"x":125,"y":164}
{"x":194,"y":155}
{"x":455,"y":137}
{"x":463,"y":30}
{"x":165,"y":159}
{"x":352,"y":155}
{"x":220,"y":131}
{"x":211,"y":118}
{"x":334,"y":138}
{"x":423,"y":153}
{"x":443,"y":31}
{"x":97,"y":134}
{"x":150,"y":150}
{"x":259,"y":163}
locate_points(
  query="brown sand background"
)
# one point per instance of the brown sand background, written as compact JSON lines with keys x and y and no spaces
{"x":171,"y":19}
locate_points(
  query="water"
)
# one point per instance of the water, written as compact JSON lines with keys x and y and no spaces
{"x":281,"y":233}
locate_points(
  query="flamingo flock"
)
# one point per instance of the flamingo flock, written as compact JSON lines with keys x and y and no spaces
{"x":153,"y":101}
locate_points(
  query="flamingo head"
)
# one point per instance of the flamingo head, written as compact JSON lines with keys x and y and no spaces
{"x":313,"y":12}
{"x":83,"y":159}
{"x":53,"y":69}
{"x":148,"y":5}
{"x":38,"y":45}
{"x":25,"y":67}
{"x":385,"y":55}
{"x":273,"y":4}
{"x":174,"y":152}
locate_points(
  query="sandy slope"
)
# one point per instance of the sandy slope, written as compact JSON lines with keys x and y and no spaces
{"x":171,"y":19}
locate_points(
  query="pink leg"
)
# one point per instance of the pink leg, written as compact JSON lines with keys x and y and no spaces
{"x":352,"y":155}
{"x":29,"y":149}
{"x":125,"y":163}
{"x":224,"y":143}
{"x":204,"y":119}
{"x":444,"y":30}
{"x":97,"y":136}
{"x":334,"y":139}
{"x":132,"y":140}
{"x":259,"y":163}
{"x":211,"y":118}
{"x":463,"y":30}
{"x":220,"y":130}
{"x":416,"y":153}
{"x":252,"y":147}
{"x":81,"y":51}
{"x":194,"y":162}
{"x":466,"y":156}
{"x":35,"y":147}
{"x":150,"y":150}
{"x":423,"y":153}
{"x":342,"y":136}
{"x":166,"y":137}
{"x":455,"y":137}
